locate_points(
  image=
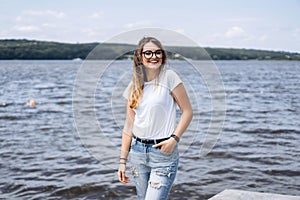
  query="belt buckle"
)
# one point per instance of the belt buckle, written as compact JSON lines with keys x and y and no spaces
{"x":147,"y":141}
{"x":144,"y":141}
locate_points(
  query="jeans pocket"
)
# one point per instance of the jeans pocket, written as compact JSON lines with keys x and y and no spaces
{"x":164,"y":153}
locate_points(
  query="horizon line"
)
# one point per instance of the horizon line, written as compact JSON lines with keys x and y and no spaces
{"x":99,"y":42}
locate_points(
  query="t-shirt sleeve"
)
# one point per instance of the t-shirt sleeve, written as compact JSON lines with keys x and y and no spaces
{"x":126,"y":91}
{"x":173,"y":80}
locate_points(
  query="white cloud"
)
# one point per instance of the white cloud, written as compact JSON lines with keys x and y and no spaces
{"x":180,"y":30}
{"x":89,"y":32}
{"x":29,"y":28}
{"x":243,"y":19}
{"x":48,"y":25}
{"x":97,"y":15}
{"x":235,"y":32}
{"x":296,"y":33}
{"x":19,"y":18}
{"x":262,"y":38}
{"x":45,"y":13}
{"x":137,"y":24}
{"x":37,"y":20}
{"x":29,"y":16}
{"x":235,"y":36}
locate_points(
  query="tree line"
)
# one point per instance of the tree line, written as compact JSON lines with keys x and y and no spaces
{"x":33,"y":49}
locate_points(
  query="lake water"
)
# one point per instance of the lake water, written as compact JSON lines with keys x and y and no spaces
{"x":43,"y":156}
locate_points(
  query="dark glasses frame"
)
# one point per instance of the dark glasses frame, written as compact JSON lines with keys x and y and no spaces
{"x":158,"y":53}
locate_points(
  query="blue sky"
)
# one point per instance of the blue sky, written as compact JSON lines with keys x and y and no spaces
{"x":258,"y":24}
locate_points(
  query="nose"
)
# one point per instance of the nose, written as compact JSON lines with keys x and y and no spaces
{"x":154,"y":56}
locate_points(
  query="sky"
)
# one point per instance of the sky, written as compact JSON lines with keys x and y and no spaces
{"x":255,"y":24}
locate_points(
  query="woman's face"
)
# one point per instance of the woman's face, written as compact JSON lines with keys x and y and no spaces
{"x":152,"y":56}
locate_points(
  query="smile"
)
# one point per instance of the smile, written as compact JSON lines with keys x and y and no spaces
{"x":153,"y":61}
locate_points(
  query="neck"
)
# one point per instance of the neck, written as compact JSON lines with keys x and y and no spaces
{"x":151,"y":74}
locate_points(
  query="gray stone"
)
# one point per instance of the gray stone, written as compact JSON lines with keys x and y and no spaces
{"x":246,"y":195}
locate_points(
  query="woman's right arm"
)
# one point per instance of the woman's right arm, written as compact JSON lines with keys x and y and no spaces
{"x":126,"y":141}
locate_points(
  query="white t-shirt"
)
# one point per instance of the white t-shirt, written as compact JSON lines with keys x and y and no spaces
{"x":155,"y":116}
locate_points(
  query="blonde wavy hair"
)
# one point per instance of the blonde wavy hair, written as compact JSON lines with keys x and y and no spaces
{"x":139,"y":74}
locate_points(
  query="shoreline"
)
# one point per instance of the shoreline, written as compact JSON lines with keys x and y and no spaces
{"x":24,"y":49}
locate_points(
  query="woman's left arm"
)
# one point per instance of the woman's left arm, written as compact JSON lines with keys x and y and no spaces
{"x":182,"y":99}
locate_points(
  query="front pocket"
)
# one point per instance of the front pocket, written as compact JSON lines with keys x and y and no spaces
{"x":167,"y":154}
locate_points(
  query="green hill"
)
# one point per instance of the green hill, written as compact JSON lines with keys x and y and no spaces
{"x":32,"y":49}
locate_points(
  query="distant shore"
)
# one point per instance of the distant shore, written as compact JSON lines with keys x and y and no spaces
{"x":22,"y":49}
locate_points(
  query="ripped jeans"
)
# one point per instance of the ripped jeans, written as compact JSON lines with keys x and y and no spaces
{"x":153,"y":171}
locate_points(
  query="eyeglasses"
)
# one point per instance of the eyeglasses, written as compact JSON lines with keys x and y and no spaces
{"x":149,"y":54}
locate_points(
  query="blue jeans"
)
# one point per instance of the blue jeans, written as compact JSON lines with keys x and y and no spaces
{"x":153,"y":171}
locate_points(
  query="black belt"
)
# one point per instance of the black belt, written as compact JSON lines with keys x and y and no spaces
{"x":148,"y":141}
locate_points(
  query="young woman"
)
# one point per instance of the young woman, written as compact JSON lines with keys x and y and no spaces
{"x":150,"y":132}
